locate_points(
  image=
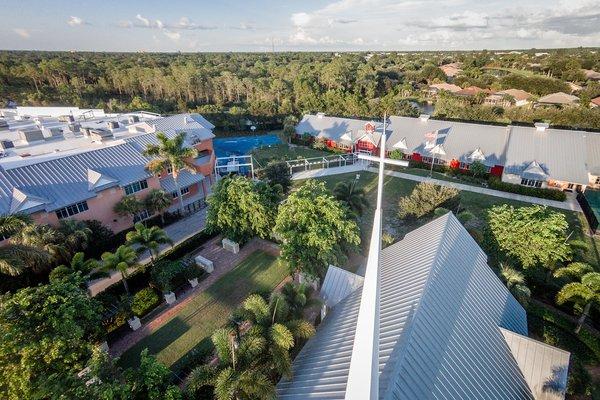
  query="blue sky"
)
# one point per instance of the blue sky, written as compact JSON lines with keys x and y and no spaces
{"x":235,"y":25}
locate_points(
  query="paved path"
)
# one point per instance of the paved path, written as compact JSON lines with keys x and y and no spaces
{"x":570,"y":204}
{"x":224,"y":261}
{"x":178,"y":232}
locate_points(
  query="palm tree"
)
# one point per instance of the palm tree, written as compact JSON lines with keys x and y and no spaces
{"x":45,"y":238}
{"x":271,"y":321}
{"x":289,"y":127}
{"x":237,"y":374}
{"x":157,"y":201}
{"x":76,"y":234}
{"x":78,"y":264}
{"x":515,"y":282}
{"x":574,"y":270}
{"x":354,"y":197}
{"x":171,"y":154}
{"x":15,"y":258}
{"x":297,"y":297}
{"x":583,"y":294}
{"x":148,"y":239}
{"x":121,"y":260}
{"x":128,"y":205}
{"x":11,"y":224}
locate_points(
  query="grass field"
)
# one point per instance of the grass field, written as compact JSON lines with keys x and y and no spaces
{"x":476,"y":203}
{"x":192,"y":327}
{"x":282,"y":152}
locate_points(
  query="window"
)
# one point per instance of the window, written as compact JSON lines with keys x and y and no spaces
{"x":464,"y":165}
{"x":142,"y":215}
{"x":531,"y":182}
{"x":597,"y":180}
{"x":72,"y":209}
{"x":184,"y":191}
{"x":135,"y":187}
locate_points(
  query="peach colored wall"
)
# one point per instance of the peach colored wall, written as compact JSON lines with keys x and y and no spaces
{"x":208,"y":168}
{"x":101,"y":208}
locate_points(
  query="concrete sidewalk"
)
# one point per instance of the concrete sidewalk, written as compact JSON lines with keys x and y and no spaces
{"x":570,"y":204}
{"x":178,"y":232}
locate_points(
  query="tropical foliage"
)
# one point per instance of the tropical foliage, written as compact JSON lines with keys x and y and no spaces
{"x":315,"y":230}
{"x":425,"y":198}
{"x":241,"y":208}
{"x":147,"y":239}
{"x":124,"y":258}
{"x":349,"y":194}
{"x":583,"y":294}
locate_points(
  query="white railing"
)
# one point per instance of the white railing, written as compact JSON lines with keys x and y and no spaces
{"x":335,"y":160}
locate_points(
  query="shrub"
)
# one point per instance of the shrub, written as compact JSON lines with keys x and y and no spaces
{"x":396,"y":154}
{"x":580,"y":380}
{"x":163,"y":273}
{"x":438,"y":212}
{"x":551,"y":194}
{"x":144,"y":301}
{"x":425,"y":198}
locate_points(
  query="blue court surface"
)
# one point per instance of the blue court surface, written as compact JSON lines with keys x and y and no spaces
{"x":236,"y":146}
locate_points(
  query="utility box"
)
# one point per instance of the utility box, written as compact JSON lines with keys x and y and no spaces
{"x":205,"y":263}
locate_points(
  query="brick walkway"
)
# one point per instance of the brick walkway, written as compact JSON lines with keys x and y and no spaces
{"x":224,"y":262}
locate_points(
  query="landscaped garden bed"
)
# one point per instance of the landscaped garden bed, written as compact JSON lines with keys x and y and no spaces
{"x":187,"y":334}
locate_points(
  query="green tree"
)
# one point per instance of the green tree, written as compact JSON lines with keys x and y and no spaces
{"x":16,"y":258}
{"x":534,"y":236}
{"x":298,"y":299}
{"x":128,"y":206}
{"x":76,"y":234}
{"x":171,"y":154}
{"x":157,"y":201}
{"x":314,"y":229}
{"x":425,"y":198}
{"x":124,"y":258}
{"x":45,"y":238}
{"x":147,"y":239}
{"x":78,"y":264}
{"x":238,"y":374}
{"x":478,"y":169}
{"x":289,"y":127}
{"x":354,"y":197}
{"x":515,"y":282}
{"x":46,"y":338}
{"x":584,"y":294}
{"x":278,"y":173}
{"x":272,"y":322}
{"x":241,"y":208}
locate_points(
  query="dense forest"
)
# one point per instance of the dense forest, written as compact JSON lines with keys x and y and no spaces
{"x":232,"y":87}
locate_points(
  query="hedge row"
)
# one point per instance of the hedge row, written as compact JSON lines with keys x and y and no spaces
{"x":551,"y":194}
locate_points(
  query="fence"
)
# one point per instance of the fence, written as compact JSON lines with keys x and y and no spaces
{"x":335,"y":160}
{"x":588,"y":211}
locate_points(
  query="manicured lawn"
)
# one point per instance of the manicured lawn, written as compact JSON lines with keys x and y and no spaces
{"x":192,"y":327}
{"x":282,"y":152}
{"x":476,"y":203}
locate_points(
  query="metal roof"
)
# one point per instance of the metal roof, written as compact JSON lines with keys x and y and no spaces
{"x":461,"y":142}
{"x":63,"y":181}
{"x":592,"y":146}
{"x":182,"y":122}
{"x":338,"y":284}
{"x":185,"y":179}
{"x":560,"y":153}
{"x":334,"y":128}
{"x":441,"y":313}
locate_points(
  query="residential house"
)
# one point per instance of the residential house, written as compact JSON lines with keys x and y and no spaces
{"x":595,"y":102}
{"x":92,"y":169}
{"x":472,"y":91}
{"x":591,"y":75}
{"x":437,"y":88}
{"x":509,"y":98}
{"x":451,"y":70}
{"x":446,"y":328}
{"x":558,"y":99}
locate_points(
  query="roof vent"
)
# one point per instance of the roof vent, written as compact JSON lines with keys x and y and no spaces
{"x":424,"y":117}
{"x":112,"y":125}
{"x":541,"y":126}
{"x":320,"y":115}
{"x":133,"y":119}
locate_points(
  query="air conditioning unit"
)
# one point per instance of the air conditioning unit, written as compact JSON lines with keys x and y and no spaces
{"x":133,"y":119}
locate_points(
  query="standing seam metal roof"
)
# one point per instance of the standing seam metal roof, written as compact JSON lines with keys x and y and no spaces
{"x":441,"y":312}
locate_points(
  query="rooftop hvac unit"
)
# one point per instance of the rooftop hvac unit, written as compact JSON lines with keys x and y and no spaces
{"x":112,"y":125}
{"x":31,"y":135}
{"x":6,"y":144}
{"x":66,"y":118}
{"x":133,"y":119}
{"x":75,"y":128}
{"x":99,"y":135}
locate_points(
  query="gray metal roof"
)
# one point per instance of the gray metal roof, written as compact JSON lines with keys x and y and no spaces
{"x":441,"y":310}
{"x":338,"y":284}
{"x":592,"y":146}
{"x":63,"y":181}
{"x":462,"y":141}
{"x":185,"y":179}
{"x":334,"y":128}
{"x":560,"y":153}
{"x":184,"y":122}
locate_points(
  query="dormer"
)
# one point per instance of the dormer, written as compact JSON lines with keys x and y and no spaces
{"x":541,"y":126}
{"x":22,"y":201}
{"x":320,"y":115}
{"x":424,"y":117}
{"x":401,"y":144}
{"x":98,"y":180}
{"x":369,"y":127}
{"x":477,"y":155}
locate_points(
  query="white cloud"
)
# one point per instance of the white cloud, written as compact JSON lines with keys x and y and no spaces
{"x":301,"y":19}
{"x":465,"y":20}
{"x":24,"y":33}
{"x":144,"y":21}
{"x":171,"y":35}
{"x":76,"y":21}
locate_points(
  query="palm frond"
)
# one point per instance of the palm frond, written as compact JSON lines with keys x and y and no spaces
{"x":200,"y":377}
{"x":301,"y":328}
{"x":281,"y":336}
